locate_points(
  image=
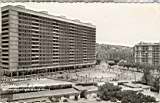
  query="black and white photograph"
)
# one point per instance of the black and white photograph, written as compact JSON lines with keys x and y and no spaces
{"x":79,"y":52}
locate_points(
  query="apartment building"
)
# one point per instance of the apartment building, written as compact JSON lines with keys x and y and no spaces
{"x":147,"y":53}
{"x":37,"y":42}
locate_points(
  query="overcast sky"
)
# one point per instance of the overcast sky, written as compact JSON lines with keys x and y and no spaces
{"x":121,"y":24}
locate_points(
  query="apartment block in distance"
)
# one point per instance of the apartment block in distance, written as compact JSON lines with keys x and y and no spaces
{"x":147,"y":53}
{"x":36,"y":42}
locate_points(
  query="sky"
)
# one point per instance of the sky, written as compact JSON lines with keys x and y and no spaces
{"x":116,"y":23}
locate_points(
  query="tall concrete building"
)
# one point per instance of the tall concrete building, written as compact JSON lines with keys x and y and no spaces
{"x":147,"y":53}
{"x":36,"y":42}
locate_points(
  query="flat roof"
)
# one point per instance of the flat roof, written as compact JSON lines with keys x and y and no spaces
{"x":88,"y":88}
{"x":45,"y":14}
{"x":33,"y":83}
{"x":30,"y":95}
{"x":42,"y":99}
{"x":133,"y":89}
{"x":147,"y":44}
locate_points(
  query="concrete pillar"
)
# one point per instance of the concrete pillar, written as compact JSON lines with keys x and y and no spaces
{"x":11,"y":74}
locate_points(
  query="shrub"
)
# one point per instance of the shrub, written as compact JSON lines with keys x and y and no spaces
{"x":56,"y":100}
{"x":87,"y":84}
{"x":124,"y":100}
{"x":83,"y":94}
{"x":154,"y":89}
{"x":113,"y":99}
{"x":120,"y":83}
{"x":76,"y":97}
{"x":65,"y":100}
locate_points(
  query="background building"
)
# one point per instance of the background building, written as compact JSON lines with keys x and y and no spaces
{"x":36,"y":42}
{"x":147,"y":53}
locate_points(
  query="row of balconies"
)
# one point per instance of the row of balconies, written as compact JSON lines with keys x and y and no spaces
{"x":54,"y":44}
{"x":30,"y":31}
{"x":53,"y":62}
{"x":56,"y":56}
{"x":47,"y":21}
{"x":60,"y":29}
{"x":30,"y":63}
{"x":53,"y":27}
{"x":149,"y":49}
{"x":29,"y":53}
{"x":51,"y":59}
{"x":52,"y":35}
{"x":50,"y":48}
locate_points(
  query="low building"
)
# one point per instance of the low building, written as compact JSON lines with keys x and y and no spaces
{"x":41,"y":94}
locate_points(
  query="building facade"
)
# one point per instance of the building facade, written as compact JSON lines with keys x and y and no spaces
{"x":36,"y":42}
{"x":147,"y":53}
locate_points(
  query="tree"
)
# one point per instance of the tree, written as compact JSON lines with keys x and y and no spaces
{"x":115,"y":52}
{"x":98,"y":61}
{"x":147,"y":77}
{"x":137,"y":66}
{"x":156,"y":84}
{"x":110,"y":92}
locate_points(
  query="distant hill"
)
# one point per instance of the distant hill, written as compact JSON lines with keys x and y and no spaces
{"x":113,"y":52}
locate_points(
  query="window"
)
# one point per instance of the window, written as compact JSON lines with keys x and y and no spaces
{"x":5,"y":37}
{"x":5,"y":29}
{"x":4,"y":54}
{"x":4,"y":58}
{"x":4,"y":50}
{"x":6,"y":11}
{"x":4,"y":41}
{"x":6,"y":33}
{"x":4,"y":46}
